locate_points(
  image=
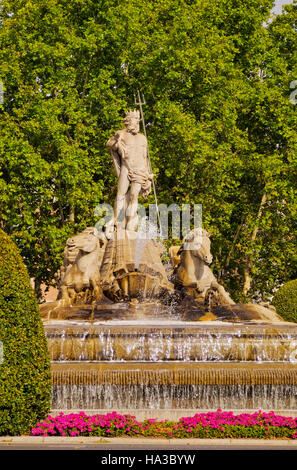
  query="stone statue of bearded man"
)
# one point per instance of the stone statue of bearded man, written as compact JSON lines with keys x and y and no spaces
{"x":128,"y":148}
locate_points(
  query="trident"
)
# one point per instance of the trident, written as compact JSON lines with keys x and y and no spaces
{"x":1,"y":92}
{"x":140,"y":104}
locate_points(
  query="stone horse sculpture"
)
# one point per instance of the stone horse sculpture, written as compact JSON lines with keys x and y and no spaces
{"x":80,"y":274}
{"x":193,"y":271}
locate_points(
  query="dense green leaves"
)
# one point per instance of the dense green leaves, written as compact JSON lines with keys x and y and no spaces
{"x":285,"y":301}
{"x":220,"y":124}
{"x":25,"y":385}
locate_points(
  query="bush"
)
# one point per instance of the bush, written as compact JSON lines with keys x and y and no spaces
{"x":25,"y":385}
{"x":285,"y":301}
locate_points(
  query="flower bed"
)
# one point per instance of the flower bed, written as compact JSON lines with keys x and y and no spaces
{"x":211,"y":425}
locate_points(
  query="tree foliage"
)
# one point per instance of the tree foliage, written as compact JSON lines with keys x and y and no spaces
{"x":220,"y":124}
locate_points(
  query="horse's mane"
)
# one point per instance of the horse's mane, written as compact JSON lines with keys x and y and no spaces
{"x":196,"y":232}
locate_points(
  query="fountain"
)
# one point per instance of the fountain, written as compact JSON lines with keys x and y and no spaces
{"x":121,"y":336}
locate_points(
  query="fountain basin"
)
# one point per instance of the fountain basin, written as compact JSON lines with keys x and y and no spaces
{"x":149,"y":363}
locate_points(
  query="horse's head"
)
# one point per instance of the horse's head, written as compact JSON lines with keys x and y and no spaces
{"x":85,"y":242}
{"x":198,"y":242}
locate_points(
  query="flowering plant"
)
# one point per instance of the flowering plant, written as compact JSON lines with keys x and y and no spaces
{"x":219,"y":424}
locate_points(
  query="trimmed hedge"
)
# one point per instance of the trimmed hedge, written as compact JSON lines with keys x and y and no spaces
{"x":25,"y":385}
{"x":285,"y":301}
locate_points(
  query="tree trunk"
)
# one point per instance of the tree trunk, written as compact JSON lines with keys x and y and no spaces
{"x":37,"y":289}
{"x":247,"y":276}
{"x":247,"y":281}
{"x":235,"y":238}
{"x":72,"y":214}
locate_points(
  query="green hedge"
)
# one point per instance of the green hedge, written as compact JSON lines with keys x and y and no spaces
{"x":25,"y":385}
{"x":285,"y":301}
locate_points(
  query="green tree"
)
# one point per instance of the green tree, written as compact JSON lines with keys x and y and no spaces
{"x":52,"y":164}
{"x":219,"y":121}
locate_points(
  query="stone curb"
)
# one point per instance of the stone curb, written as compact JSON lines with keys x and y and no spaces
{"x":24,"y":440}
{"x":169,"y":414}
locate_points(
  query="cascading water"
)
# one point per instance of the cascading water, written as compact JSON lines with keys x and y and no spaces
{"x":176,"y":397}
{"x":171,"y":343}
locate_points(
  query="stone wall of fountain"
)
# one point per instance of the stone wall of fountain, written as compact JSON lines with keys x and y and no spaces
{"x":172,"y":365}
